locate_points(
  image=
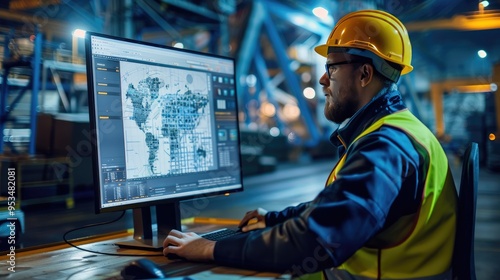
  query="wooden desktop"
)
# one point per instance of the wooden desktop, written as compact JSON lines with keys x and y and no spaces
{"x":61,"y":261}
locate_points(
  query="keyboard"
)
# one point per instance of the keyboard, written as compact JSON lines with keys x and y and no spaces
{"x":220,"y":234}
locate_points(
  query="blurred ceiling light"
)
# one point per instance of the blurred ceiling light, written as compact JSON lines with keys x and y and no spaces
{"x":493,"y":87}
{"x":291,"y":112}
{"x":306,"y":77}
{"x":253,"y":126}
{"x":268,"y":109}
{"x":482,"y":53}
{"x":251,"y":80}
{"x":484,"y":3}
{"x":178,"y":45}
{"x":309,"y":93}
{"x":274,"y":131}
{"x":298,"y":20}
{"x":80,"y":33}
{"x":492,"y":137}
{"x":320,"y":12}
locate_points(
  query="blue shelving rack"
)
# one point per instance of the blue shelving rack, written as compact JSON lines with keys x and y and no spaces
{"x":33,"y":63}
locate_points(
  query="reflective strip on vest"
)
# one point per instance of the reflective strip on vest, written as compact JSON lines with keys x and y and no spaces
{"x":427,"y":248}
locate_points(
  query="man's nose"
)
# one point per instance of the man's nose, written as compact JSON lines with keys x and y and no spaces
{"x":324,"y":80}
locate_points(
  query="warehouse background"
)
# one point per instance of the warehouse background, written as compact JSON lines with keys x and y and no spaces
{"x":44,"y":129}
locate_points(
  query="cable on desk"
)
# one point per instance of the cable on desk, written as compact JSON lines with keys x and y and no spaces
{"x":103,"y":253}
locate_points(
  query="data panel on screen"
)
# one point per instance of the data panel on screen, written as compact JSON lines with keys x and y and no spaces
{"x":165,"y":123}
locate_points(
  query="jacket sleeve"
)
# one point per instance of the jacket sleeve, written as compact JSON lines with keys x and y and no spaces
{"x":276,"y":217}
{"x":340,"y":220}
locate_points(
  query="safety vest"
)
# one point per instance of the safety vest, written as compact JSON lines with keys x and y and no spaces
{"x":420,"y":245}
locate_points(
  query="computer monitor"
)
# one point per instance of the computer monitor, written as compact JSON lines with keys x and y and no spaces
{"x":164,"y":124}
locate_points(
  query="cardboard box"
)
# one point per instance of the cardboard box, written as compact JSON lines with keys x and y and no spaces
{"x":44,"y":134}
{"x":72,"y":139}
{"x":71,"y":135}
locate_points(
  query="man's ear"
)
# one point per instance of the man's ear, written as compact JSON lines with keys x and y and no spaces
{"x":367,"y":73}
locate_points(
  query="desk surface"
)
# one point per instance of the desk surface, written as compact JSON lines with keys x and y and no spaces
{"x":65,"y":262}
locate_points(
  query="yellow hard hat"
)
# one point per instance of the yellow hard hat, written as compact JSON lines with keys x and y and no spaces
{"x":375,"y":31}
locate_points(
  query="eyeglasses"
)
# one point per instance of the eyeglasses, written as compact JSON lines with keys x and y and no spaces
{"x":329,"y":66}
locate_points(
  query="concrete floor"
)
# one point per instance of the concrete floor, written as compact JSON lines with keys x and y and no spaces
{"x":289,"y":185}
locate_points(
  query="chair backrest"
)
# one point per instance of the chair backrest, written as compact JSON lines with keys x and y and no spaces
{"x":463,"y":255}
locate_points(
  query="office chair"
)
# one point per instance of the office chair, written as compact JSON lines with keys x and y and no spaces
{"x":463,"y":254}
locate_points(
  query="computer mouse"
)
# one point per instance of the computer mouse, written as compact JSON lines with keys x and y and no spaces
{"x":142,"y":269}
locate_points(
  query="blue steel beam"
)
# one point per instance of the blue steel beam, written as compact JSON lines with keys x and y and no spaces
{"x":262,"y":74}
{"x":96,"y":6}
{"x":247,"y":48}
{"x":292,"y":80}
{"x":3,"y":96}
{"x":251,"y":38}
{"x":224,"y":37}
{"x":254,"y":104}
{"x":94,"y":20}
{"x":151,"y":8}
{"x":36,"y":65}
{"x":194,"y":8}
{"x":309,"y":23}
{"x":16,"y":100}
{"x":244,"y":99}
{"x":212,"y":15}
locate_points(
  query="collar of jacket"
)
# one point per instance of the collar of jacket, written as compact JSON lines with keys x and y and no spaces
{"x":386,"y":102}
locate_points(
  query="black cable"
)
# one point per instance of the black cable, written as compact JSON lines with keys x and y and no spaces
{"x":103,"y":253}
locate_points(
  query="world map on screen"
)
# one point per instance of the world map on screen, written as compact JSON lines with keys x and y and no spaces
{"x":166,"y":121}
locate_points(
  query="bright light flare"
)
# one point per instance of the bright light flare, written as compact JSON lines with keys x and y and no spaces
{"x":291,"y":112}
{"x":178,"y":45}
{"x":320,"y":12}
{"x":274,"y":132}
{"x":309,"y":93}
{"x":251,"y":80}
{"x":482,"y":53}
{"x":493,"y":87}
{"x":268,"y":109}
{"x":80,"y":33}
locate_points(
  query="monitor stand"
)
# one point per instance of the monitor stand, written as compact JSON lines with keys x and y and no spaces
{"x":145,"y":238}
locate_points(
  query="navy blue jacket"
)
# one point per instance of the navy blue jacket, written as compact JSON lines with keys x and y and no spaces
{"x":343,"y":217}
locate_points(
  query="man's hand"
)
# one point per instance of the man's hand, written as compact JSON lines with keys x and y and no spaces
{"x":254,"y":219}
{"x":188,"y":245}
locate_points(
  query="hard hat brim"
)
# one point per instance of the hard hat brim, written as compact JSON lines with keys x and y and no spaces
{"x":322,"y":50}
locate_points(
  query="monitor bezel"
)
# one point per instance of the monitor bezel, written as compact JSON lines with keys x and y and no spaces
{"x":94,"y":123}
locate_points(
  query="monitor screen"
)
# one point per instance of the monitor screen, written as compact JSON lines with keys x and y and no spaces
{"x":164,"y":123}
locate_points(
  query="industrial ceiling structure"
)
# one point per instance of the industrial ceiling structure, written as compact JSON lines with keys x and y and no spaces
{"x":445,"y":34}
{"x":272,"y":42}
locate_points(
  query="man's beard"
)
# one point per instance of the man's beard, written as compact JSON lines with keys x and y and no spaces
{"x":338,"y":111}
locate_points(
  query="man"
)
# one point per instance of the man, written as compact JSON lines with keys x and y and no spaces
{"x":389,"y":206}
